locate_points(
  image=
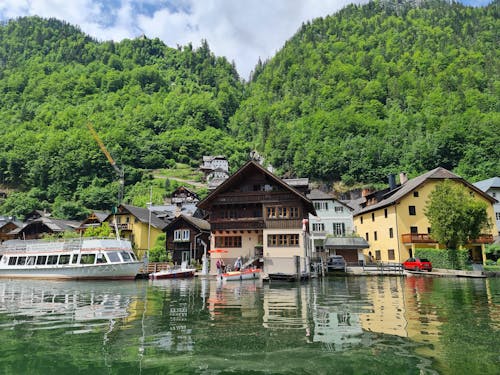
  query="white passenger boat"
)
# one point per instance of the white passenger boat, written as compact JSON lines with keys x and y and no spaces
{"x":69,"y":259}
{"x":246,"y":274}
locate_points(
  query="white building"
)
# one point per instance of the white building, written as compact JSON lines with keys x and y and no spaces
{"x":491,"y":186}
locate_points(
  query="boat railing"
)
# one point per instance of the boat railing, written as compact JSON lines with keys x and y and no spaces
{"x":32,"y":246}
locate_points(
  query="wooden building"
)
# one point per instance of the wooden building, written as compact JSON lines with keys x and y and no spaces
{"x":187,"y":239}
{"x":258,"y":216}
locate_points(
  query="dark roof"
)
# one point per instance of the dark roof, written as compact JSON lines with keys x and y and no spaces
{"x":196,"y":222}
{"x":346,"y":243}
{"x":240,"y":175}
{"x":317,"y":194}
{"x":440,"y":173}
{"x":143,"y":215}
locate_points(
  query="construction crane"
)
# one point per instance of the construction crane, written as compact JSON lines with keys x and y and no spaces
{"x":118,"y":170}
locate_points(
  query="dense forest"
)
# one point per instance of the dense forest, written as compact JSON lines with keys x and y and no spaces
{"x":372,"y":89}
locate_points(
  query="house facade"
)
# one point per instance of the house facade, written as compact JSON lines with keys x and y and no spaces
{"x":187,"y":239}
{"x":137,"y":224}
{"x":491,"y":187}
{"x":394,"y":224}
{"x":259,"y":217}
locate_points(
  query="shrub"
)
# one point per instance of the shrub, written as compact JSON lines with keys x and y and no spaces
{"x":445,"y":258}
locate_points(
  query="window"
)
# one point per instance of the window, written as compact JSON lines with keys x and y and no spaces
{"x":361,"y":219}
{"x":385,"y":213}
{"x":30,"y":261}
{"x":390,"y":254}
{"x":87,"y":259}
{"x":74,"y":260}
{"x":377,"y":255}
{"x":282,"y":212}
{"x":125,"y":256}
{"x":113,"y":257}
{"x":413,"y":230}
{"x":181,"y":235}
{"x":101,"y":258}
{"x":338,"y":229}
{"x":21,"y":261}
{"x":283,"y":240}
{"x":497,"y":214}
{"x":64,"y":259}
{"x":41,"y":260}
{"x":339,"y":209}
{"x":321,"y":205}
{"x":375,"y":237}
{"x":373,"y":216}
{"x":228,"y":241}
{"x":412,"y":211}
{"x":415,"y":194}
{"x":318,"y":227}
{"x":52,"y":259}
{"x":391,"y":233}
{"x":367,"y":237}
{"x":12,"y":261}
{"x":493,"y":194}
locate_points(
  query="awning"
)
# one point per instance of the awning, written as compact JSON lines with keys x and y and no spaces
{"x":346,"y":243}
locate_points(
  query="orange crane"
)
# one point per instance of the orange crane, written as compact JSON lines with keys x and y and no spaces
{"x":118,"y":170}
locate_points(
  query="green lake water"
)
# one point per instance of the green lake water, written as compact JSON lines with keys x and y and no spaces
{"x":336,"y":325}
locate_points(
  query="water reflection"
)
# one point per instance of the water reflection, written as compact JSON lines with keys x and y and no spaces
{"x":363,"y":325}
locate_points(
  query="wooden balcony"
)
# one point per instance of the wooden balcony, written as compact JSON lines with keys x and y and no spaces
{"x":254,"y":197}
{"x":483,"y":239}
{"x":417,"y":238}
{"x":237,"y":224}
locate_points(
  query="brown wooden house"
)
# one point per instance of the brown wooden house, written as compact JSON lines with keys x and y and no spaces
{"x":258,"y":216}
{"x":187,"y":239}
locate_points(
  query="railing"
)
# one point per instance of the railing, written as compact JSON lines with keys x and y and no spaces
{"x":283,"y":224}
{"x":383,"y":267}
{"x":125,"y":226}
{"x":237,"y":224}
{"x":417,"y":238}
{"x":154,"y":267}
{"x":254,"y":197}
{"x":483,"y":239}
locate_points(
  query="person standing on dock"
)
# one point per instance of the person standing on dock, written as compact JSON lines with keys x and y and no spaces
{"x":237,"y":264}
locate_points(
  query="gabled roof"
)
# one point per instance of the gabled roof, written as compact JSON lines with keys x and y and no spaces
{"x":142,"y":214}
{"x":239,"y":176}
{"x":319,"y":195}
{"x":439,"y":173}
{"x":486,"y":185}
{"x":201,"y":224}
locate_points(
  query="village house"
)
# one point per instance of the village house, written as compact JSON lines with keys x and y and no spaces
{"x":393,"y":221}
{"x":491,"y":187}
{"x":137,"y":224}
{"x":259,"y":217}
{"x":215,"y":170}
{"x":187,"y":239}
{"x":95,"y":219}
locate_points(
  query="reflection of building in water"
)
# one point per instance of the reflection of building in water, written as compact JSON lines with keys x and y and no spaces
{"x":388,"y":307}
{"x":285,"y":308}
{"x":235,"y":296}
{"x":338,"y":330}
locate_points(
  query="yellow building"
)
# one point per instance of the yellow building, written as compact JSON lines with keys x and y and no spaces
{"x":137,"y":225}
{"x":394,"y":224}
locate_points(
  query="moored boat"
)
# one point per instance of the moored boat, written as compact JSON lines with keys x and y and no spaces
{"x":173,"y":273}
{"x":76,"y":259}
{"x":246,"y":274}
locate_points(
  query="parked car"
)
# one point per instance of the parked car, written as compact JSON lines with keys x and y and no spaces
{"x":336,"y":263}
{"x":417,"y":264}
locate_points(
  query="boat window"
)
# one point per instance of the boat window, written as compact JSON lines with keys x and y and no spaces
{"x":113,"y":257}
{"x":74,"y":260}
{"x":42,"y":259}
{"x":125,"y":256}
{"x":52,"y":259}
{"x":30,"y":261}
{"x":21,"y":261}
{"x":64,"y":259}
{"x":101,"y":258}
{"x":87,"y":259}
{"x":132,"y":255}
{"x":12,"y":261}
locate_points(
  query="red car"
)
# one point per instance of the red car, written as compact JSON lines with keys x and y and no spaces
{"x":417,"y":264}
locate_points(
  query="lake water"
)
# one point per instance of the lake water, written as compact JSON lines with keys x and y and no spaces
{"x":336,"y":325}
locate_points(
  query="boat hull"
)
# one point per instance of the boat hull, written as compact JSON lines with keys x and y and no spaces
{"x":241,"y":275}
{"x":118,"y":271}
{"x":175,"y":274}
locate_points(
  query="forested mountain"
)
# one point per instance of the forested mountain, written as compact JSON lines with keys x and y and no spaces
{"x":381,"y":88}
{"x":151,"y":105}
{"x":373,"y":89}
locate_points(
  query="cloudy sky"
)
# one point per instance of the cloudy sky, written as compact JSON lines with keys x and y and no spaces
{"x":241,"y":30}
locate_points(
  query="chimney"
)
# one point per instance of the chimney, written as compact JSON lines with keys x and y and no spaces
{"x":403,"y":178}
{"x":392,"y":181}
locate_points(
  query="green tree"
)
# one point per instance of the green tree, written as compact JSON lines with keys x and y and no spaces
{"x":455,"y":215}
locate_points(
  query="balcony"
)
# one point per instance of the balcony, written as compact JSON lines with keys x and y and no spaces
{"x":235,"y":224}
{"x":483,"y":239}
{"x":417,"y":238}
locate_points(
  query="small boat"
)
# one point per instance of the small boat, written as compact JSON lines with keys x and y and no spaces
{"x":173,"y":273}
{"x":247,"y":274}
{"x":77,"y":259}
